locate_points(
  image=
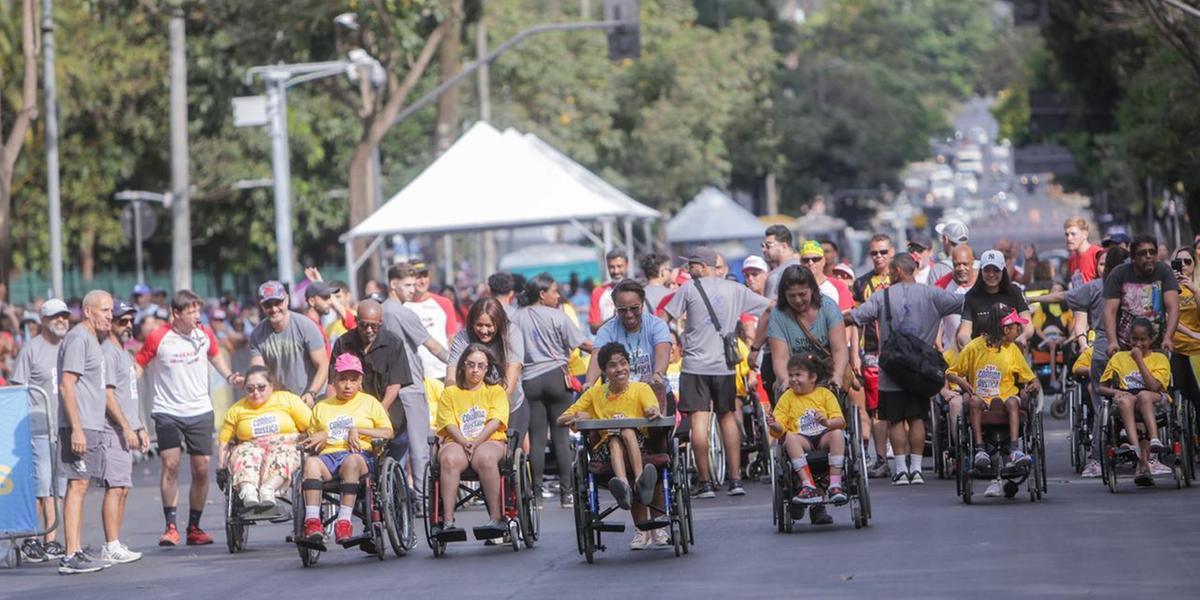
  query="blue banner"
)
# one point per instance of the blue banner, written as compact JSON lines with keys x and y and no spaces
{"x":17,"y":486}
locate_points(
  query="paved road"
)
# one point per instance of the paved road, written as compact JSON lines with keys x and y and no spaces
{"x":1080,"y":541}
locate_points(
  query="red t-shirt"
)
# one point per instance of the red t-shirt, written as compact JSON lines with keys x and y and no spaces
{"x":602,"y":307}
{"x":1082,"y":266}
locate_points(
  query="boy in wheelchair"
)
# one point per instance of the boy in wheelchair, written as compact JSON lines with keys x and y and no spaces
{"x":342,"y":429}
{"x":616,"y":397}
{"x":1137,"y":380}
{"x":808,"y":417}
{"x":994,"y":376}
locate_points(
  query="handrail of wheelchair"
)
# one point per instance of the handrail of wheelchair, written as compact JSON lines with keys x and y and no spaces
{"x":603,"y":424}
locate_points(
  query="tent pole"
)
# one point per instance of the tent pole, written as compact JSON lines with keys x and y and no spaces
{"x":351,"y":275}
{"x":646,"y":235}
{"x":448,"y":259}
{"x":629,"y":250}
{"x":608,"y":235}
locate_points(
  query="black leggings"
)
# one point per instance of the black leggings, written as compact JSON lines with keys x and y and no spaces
{"x":1184,"y":377}
{"x":547,"y":396}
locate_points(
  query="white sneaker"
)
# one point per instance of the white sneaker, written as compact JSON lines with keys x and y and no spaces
{"x":266,"y":497}
{"x":120,"y":555}
{"x":1157,"y":468}
{"x":248,"y":494}
{"x":1092,"y":470}
{"x":659,"y":537}
{"x":993,"y":489}
{"x":641,"y":541}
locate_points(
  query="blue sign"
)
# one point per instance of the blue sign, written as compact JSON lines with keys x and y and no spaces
{"x":17,"y":486}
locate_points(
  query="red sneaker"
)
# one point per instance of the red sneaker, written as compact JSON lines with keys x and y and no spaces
{"x":342,"y":530}
{"x":313,"y":531}
{"x":197,"y":537}
{"x":170,"y":537}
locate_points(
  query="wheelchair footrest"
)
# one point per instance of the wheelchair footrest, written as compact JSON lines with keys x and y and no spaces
{"x":357,"y":540}
{"x":453,"y":535}
{"x":483,"y":532}
{"x":609,"y":527}
{"x":304,"y":543}
{"x":652,"y":524}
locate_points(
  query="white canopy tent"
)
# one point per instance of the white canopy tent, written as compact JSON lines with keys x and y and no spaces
{"x":488,"y":181}
{"x":713,"y":217}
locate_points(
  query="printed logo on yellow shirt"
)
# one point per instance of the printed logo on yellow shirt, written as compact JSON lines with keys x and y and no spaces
{"x":473,"y":421}
{"x":339,"y":428}
{"x":987,"y":381}
{"x":264,"y":425}
{"x":1134,"y":381}
{"x":809,"y":422}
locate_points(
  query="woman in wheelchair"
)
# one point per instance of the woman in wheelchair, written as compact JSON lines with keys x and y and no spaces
{"x":258,"y":449}
{"x":1136,"y":380}
{"x":616,"y":397}
{"x":342,"y":429}
{"x":472,"y":420}
{"x":993,"y":375}
{"x":808,"y":417}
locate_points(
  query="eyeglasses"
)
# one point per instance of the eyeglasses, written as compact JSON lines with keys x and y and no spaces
{"x":636,"y":308}
{"x":254,"y":389}
{"x":1146,"y":252}
{"x":808,"y":260}
{"x":369,"y":325}
{"x":126,"y":322}
{"x":769,"y":245}
{"x":476,"y":366}
{"x":916,"y":248}
{"x":880,"y":252}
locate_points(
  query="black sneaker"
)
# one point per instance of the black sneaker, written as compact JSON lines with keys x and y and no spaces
{"x":705,"y":489}
{"x":566,"y":500}
{"x":736,"y":489}
{"x":916,"y":478}
{"x":817,"y":515}
{"x":879,"y":469}
{"x":620,"y":492}
{"x":55,"y":550}
{"x":79,"y":563}
{"x":646,"y":482}
{"x":900,"y":478}
{"x":32,"y":551}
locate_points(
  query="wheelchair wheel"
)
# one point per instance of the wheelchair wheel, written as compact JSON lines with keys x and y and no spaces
{"x":683,"y":494}
{"x":396,"y":507}
{"x":965,"y":451}
{"x":1187,"y":438}
{"x":235,"y":531}
{"x":1108,"y":460}
{"x":528,"y":517}
{"x":431,"y":510}
{"x":716,"y":452}
{"x":935,"y":443}
{"x":308,"y":556}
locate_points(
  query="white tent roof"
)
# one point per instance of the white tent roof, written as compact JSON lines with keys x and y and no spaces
{"x":487,"y":180}
{"x":712,"y":216}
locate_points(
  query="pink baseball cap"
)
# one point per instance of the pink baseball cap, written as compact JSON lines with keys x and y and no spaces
{"x":1013,"y":318}
{"x":347,"y":362}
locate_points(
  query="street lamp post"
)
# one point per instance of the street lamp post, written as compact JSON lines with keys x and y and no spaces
{"x":136,"y":198}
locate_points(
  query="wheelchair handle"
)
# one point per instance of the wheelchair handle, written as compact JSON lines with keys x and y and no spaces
{"x":603,"y":424}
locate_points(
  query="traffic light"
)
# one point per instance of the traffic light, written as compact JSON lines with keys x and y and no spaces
{"x":624,"y":41}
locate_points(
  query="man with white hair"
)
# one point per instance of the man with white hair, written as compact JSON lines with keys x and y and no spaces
{"x":953,"y":234}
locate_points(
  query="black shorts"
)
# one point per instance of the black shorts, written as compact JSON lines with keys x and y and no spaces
{"x":176,"y":432}
{"x":698,"y":393}
{"x":895,"y":407}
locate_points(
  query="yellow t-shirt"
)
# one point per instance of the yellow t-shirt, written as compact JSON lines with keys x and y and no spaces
{"x":282,"y":413}
{"x":994,"y":373}
{"x":1084,"y":361}
{"x":471,"y":410}
{"x":743,"y":369}
{"x":1189,"y":316}
{"x":949,"y":356}
{"x":799,"y":413}
{"x":630,"y":404}
{"x":336,"y":417}
{"x":433,"y":393}
{"x":1124,"y":369}
{"x":577,"y":364}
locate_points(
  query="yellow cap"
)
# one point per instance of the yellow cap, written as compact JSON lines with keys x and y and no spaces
{"x":812,"y":248}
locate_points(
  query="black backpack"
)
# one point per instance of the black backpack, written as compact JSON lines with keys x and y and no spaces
{"x":914,"y":365}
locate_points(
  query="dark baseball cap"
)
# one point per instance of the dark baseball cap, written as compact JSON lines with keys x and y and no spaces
{"x":922,"y":240}
{"x":272,"y":290}
{"x":124,"y":308}
{"x":703,"y":255}
{"x":318,"y":288}
{"x":1119,"y":237}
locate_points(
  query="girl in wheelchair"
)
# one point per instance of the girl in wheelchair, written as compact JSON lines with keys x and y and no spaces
{"x":342,"y":429}
{"x":808,"y":417}
{"x":1136,"y":380}
{"x":616,"y":397}
{"x":994,"y":375}
{"x":472,"y":421}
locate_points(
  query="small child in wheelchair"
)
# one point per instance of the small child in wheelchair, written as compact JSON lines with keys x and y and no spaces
{"x":616,"y":397}
{"x":993,"y":374}
{"x":1136,"y":380}
{"x":808,"y":417}
{"x":342,"y":429}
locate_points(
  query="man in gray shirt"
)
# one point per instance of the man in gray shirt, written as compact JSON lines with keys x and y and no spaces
{"x":37,"y":367}
{"x":707,"y":382}
{"x":83,"y":379}
{"x":780,"y":253}
{"x":414,"y":408}
{"x":290,"y":345}
{"x":916,"y":309}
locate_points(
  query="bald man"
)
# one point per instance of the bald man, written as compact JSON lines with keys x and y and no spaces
{"x":384,"y":359}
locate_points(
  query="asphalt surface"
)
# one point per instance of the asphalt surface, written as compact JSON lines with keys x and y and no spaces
{"x":923,"y":542}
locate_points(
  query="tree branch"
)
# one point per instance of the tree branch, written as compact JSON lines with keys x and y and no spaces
{"x":1174,"y":34}
{"x":28,"y":111}
{"x":398,"y":90}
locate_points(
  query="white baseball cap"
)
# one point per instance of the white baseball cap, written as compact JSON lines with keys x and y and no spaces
{"x":955,"y":231}
{"x":992,"y":258}
{"x":754,"y":262}
{"x":54,"y":307}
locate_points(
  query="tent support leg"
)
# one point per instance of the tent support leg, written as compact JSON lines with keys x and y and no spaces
{"x":351,"y":275}
{"x":448,"y":259}
{"x":647,"y":235}
{"x":608,"y":236}
{"x":629,"y":250}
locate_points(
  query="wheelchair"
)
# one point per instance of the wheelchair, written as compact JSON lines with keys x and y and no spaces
{"x":756,"y":440}
{"x":716,"y":452}
{"x":786,"y":482}
{"x":522,"y":521}
{"x":938,"y":435}
{"x":1077,"y":400}
{"x":385,"y":505}
{"x":995,"y":436}
{"x":239,"y":519}
{"x":673,"y":464}
{"x":1173,"y":416}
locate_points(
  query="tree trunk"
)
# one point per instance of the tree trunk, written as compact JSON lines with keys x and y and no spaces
{"x":87,"y":254}
{"x":449,"y":65}
{"x":360,"y":206}
{"x":11,"y":148}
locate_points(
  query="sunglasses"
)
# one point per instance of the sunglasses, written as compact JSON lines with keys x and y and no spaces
{"x":637,"y":308}
{"x":1185,"y":260}
{"x":126,"y":321}
{"x":880,"y":252}
{"x":916,"y":248}
{"x":808,"y":260}
{"x":1146,"y":252}
{"x":369,"y":325}
{"x":262,"y":387}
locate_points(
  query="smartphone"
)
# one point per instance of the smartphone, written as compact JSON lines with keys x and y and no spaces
{"x":1177,"y":265}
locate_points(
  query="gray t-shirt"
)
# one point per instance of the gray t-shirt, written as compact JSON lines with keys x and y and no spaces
{"x":1089,"y":297}
{"x":80,"y":353}
{"x":286,"y":352}
{"x":916,"y":308}
{"x":37,"y":366}
{"x":655,"y":294}
{"x":771,"y":290}
{"x":405,"y":323}
{"x":514,"y":352}
{"x":703,"y":351}
{"x":550,"y":336}
{"x":124,"y":384}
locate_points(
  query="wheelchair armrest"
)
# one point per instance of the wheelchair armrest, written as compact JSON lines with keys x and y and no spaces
{"x":432,"y":440}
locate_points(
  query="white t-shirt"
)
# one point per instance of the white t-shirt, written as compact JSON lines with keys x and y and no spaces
{"x":179,"y":370}
{"x":437,"y":321}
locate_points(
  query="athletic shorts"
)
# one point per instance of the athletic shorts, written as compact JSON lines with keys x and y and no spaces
{"x":870,"y":377}
{"x":333,"y":461}
{"x":895,"y":407}
{"x":90,"y":464}
{"x":174,"y":432}
{"x":118,"y":461}
{"x":43,"y":468}
{"x":700,"y":393}
{"x":814,"y":441}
